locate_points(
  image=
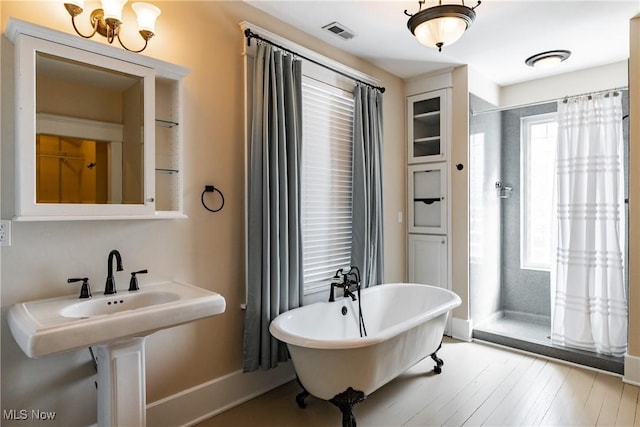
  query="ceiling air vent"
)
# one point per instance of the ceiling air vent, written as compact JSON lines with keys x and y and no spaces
{"x":339,"y":30}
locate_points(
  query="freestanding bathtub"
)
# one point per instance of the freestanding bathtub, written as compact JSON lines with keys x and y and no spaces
{"x":404,"y":323}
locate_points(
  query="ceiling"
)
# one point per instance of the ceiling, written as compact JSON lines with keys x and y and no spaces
{"x":504,"y":34}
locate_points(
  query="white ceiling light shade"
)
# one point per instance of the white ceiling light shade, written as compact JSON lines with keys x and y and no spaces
{"x":440,"y":25}
{"x":547,"y":59}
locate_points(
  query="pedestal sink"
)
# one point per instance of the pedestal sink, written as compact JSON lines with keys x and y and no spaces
{"x":117,"y":326}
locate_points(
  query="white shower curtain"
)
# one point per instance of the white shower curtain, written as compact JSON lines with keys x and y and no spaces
{"x":589,"y":302}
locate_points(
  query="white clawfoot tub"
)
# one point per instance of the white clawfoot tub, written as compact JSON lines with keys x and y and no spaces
{"x":404,"y":324}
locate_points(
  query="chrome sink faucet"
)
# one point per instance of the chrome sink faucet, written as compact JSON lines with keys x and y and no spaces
{"x":110,"y":286}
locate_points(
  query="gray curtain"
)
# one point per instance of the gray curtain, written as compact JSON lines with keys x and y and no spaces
{"x":367,"y":237}
{"x":274,"y":281}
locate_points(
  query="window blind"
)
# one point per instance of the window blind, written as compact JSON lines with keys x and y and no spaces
{"x":326,"y":181}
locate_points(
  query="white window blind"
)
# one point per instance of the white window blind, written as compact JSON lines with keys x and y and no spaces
{"x":539,"y":134}
{"x":326,"y":181}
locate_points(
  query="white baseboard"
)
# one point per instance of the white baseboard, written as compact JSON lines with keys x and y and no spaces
{"x":631,"y":369}
{"x":203,"y":401}
{"x":461,"y":329}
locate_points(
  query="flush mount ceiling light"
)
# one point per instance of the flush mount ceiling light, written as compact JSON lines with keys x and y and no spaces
{"x":547,"y":59}
{"x":440,"y":25}
{"x":107,"y":21}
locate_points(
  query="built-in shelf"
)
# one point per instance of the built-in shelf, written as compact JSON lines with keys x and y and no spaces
{"x":425,"y":115}
{"x":427,"y":139}
{"x":427,"y":128}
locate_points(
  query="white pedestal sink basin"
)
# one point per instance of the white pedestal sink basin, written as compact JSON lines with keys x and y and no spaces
{"x":117,"y":325}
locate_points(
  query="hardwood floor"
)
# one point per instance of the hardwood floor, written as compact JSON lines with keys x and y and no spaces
{"x":480,"y":385}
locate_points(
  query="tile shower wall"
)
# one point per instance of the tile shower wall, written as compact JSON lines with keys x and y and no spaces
{"x":484,"y":206}
{"x":523,"y":291}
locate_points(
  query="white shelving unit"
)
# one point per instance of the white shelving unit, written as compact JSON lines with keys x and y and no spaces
{"x":428,"y":145}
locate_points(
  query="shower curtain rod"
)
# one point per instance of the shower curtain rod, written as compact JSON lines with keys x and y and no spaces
{"x":251,"y":35}
{"x":533,"y":104}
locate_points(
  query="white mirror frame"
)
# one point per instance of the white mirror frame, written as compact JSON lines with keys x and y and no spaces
{"x":26,"y":48}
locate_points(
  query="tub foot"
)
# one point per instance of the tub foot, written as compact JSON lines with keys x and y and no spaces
{"x":302,"y":396}
{"x":345,"y":402}
{"x":439,"y":362}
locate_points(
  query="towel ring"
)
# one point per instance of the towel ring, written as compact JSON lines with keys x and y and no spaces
{"x":211,"y":189}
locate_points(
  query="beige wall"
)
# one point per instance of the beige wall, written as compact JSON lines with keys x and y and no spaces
{"x":460,"y":189}
{"x":206,"y":249}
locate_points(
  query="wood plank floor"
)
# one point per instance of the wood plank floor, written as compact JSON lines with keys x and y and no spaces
{"x":480,"y":385}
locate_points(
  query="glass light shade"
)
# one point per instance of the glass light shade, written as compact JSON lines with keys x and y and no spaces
{"x":113,"y":9}
{"x":441,"y":31}
{"x":79,"y":3}
{"x":547,"y":59}
{"x":548,"y":62}
{"x":147,"y":15}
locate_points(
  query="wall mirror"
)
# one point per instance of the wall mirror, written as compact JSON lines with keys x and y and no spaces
{"x":85,"y":133}
{"x":89,"y":146}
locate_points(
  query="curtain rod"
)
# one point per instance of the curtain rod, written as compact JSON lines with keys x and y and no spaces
{"x":614,"y":90}
{"x":533,"y":104}
{"x":251,"y":35}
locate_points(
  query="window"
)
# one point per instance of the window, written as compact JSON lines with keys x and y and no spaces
{"x":538,"y":148}
{"x":326,"y":181}
{"x":326,"y":164}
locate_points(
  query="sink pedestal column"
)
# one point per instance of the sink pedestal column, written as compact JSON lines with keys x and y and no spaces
{"x":122,"y":399}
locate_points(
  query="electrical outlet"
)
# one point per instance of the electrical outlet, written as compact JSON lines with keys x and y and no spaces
{"x":5,"y":232}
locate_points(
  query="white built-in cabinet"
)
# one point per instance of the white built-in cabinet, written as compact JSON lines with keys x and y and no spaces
{"x":428,"y":131}
{"x":428,"y":259}
{"x":428,"y":126}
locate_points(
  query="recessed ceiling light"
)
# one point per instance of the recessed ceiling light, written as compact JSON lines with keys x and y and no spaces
{"x":547,"y":59}
{"x":339,"y":30}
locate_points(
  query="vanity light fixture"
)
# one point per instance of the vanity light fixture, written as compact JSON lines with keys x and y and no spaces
{"x":107,"y":21}
{"x":547,"y":59}
{"x":440,"y":25}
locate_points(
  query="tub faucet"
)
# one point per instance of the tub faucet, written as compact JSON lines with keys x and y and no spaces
{"x":341,"y":280}
{"x":110,"y":286}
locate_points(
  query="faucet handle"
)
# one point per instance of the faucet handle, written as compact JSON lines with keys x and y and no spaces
{"x":85,"y":291}
{"x":338,"y":278}
{"x":133,"y":283}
